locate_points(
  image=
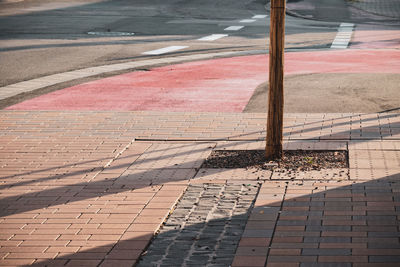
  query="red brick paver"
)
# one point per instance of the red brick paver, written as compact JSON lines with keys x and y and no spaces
{"x":93,"y":188}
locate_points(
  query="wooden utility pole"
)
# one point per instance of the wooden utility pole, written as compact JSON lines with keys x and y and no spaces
{"x":273,"y":149}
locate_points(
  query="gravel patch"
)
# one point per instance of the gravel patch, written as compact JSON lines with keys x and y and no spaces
{"x":293,"y":160}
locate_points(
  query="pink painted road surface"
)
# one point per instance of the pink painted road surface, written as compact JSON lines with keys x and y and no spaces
{"x":218,"y":85}
{"x":367,"y":37}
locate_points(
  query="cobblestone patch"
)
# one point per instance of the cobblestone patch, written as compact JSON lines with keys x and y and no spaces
{"x":205,"y":228}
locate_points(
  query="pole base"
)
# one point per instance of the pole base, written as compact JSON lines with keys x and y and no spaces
{"x":273,"y":152}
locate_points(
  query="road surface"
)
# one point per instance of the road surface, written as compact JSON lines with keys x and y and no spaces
{"x":40,"y":38}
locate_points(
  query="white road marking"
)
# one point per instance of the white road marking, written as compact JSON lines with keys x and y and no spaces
{"x":346,"y":25}
{"x":343,"y":36}
{"x":112,"y":33}
{"x":213,"y":37}
{"x":247,"y":20}
{"x":260,"y":16}
{"x":233,"y":28}
{"x":165,"y":50}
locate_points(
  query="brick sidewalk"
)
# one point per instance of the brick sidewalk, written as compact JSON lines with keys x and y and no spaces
{"x":92,"y":188}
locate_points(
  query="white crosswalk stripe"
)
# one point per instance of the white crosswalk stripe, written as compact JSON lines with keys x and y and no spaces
{"x":247,"y":20}
{"x":164,"y":50}
{"x":213,"y":37}
{"x":233,"y":28}
{"x":343,"y":36}
{"x":260,"y":16}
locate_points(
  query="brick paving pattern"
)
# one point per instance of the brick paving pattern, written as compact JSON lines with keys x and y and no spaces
{"x":92,"y":188}
{"x":162,"y":126}
{"x":324,"y":224}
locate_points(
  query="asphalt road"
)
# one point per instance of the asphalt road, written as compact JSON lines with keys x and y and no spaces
{"x":43,"y":37}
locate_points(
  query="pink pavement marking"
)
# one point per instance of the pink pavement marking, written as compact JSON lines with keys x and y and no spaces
{"x":217,"y":85}
{"x":371,"y":39}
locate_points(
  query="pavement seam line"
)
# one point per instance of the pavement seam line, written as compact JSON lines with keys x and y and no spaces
{"x":276,"y":222}
{"x":113,"y":159}
{"x":120,"y":153}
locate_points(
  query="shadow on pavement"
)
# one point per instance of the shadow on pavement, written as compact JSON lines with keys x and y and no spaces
{"x":138,"y":171}
{"x":346,"y":225}
{"x":312,"y":221}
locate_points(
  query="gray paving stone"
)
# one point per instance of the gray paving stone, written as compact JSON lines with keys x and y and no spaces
{"x":148,"y":262}
{"x":203,"y":228}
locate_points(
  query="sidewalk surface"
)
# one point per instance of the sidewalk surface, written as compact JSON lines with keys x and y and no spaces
{"x":81,"y":188}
